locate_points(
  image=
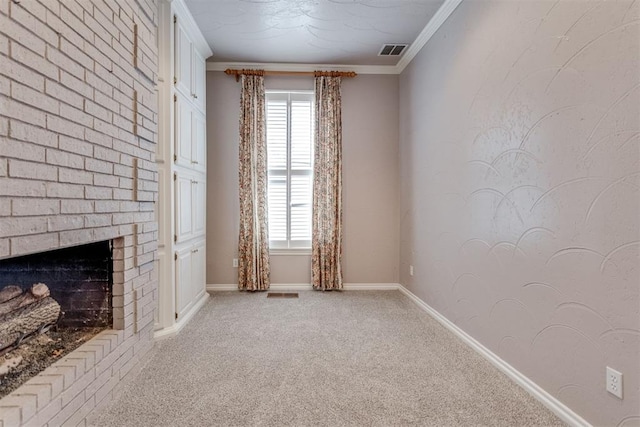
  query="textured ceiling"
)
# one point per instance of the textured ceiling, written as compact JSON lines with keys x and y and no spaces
{"x":309,"y":31}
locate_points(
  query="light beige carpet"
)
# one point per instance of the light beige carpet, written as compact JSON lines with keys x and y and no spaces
{"x":331,"y":359}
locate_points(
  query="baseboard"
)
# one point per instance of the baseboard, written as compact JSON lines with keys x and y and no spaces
{"x":553,"y":404}
{"x":173,"y":330}
{"x":371,"y":286}
{"x":279,"y":287}
{"x":219,"y":287}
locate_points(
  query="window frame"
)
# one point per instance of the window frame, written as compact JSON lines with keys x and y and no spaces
{"x":291,"y":247}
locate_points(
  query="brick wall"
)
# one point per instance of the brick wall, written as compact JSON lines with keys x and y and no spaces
{"x":78,"y":133}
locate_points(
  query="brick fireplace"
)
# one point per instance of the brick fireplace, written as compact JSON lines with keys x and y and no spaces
{"x":78,"y":134}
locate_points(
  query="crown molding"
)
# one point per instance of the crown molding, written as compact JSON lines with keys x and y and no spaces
{"x":429,"y":30}
{"x":180,"y":8}
{"x":436,"y":21}
{"x":271,"y":66}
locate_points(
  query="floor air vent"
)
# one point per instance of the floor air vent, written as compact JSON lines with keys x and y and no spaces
{"x":282,"y":295}
{"x":392,"y":49}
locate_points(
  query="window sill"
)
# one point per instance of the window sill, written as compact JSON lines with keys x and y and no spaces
{"x":288,"y":252}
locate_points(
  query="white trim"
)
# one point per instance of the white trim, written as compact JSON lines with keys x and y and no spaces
{"x":552,"y":403}
{"x":371,"y":286}
{"x":173,"y":330}
{"x":222,"y":287}
{"x":272,"y":66}
{"x":429,"y":30}
{"x":290,"y":252}
{"x":436,"y":21}
{"x":181,"y":9}
{"x":165,"y":206}
{"x":279,"y":287}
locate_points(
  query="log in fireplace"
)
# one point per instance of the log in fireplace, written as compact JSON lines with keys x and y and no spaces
{"x":24,"y":313}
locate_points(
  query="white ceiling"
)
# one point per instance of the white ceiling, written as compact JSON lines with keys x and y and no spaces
{"x":349,"y":32}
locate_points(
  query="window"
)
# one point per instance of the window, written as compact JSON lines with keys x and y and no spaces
{"x":290,"y":122}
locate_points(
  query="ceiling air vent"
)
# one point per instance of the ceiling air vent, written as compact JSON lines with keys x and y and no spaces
{"x":392,"y":49}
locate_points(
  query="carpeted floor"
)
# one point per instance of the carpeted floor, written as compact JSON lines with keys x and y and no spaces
{"x":331,"y":359}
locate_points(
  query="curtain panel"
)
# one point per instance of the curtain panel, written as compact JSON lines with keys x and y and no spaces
{"x":327,"y":186}
{"x":253,"y":246}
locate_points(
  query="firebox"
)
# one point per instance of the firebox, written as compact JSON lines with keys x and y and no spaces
{"x":79,"y":278}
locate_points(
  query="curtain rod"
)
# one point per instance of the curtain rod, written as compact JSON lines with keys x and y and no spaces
{"x":238,"y":73}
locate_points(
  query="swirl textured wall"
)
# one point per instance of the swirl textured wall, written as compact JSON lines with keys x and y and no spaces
{"x":520,"y":190}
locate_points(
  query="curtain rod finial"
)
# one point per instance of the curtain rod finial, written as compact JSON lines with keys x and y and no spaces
{"x":230,"y":72}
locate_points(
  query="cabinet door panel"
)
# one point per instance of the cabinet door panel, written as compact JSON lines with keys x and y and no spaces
{"x":184,"y":278}
{"x":182,"y":60}
{"x":184,"y":132}
{"x":157,"y":324}
{"x":199,"y":83}
{"x":184,"y":202}
{"x":199,"y":148}
{"x":163,"y":208}
{"x":198,"y":269}
{"x":199,"y":207}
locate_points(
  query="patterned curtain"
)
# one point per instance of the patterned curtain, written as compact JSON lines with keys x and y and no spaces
{"x":253,"y":246}
{"x":327,"y":186}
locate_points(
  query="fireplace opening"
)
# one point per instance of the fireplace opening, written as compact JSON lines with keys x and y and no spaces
{"x":50,"y":304}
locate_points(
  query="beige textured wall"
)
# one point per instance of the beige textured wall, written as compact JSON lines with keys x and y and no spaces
{"x":370,"y":175}
{"x":520,"y":178}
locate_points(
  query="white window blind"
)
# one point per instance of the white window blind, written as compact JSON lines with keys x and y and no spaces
{"x":290,"y":123}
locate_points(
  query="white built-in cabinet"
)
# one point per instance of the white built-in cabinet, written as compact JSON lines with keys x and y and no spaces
{"x":190,"y":271}
{"x":190,"y":135}
{"x":199,"y":79}
{"x":189,"y":63}
{"x":181,"y":156}
{"x":190,"y":206}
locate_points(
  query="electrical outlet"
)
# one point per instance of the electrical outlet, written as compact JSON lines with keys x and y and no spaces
{"x":411,"y":270}
{"x":235,"y":263}
{"x":614,"y":382}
